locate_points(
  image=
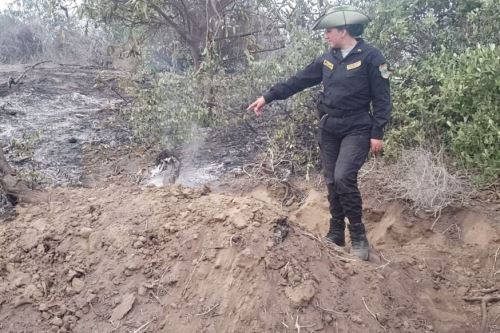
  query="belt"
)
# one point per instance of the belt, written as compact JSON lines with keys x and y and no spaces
{"x":339,"y":113}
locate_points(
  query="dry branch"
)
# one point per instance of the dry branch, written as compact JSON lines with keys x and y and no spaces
{"x":6,"y":88}
{"x":484,"y":308}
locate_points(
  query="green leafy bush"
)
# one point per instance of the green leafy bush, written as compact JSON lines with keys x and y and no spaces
{"x":452,"y":101}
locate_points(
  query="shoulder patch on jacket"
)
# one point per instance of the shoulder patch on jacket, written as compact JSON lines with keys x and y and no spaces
{"x":328,"y":64}
{"x":354,"y":65}
{"x":385,"y":71}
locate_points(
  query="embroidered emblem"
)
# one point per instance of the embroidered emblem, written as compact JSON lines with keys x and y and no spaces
{"x":353,"y":65}
{"x":328,"y":64}
{"x":385,"y":71}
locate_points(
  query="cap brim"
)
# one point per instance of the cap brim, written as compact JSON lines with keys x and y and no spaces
{"x":340,"y":19}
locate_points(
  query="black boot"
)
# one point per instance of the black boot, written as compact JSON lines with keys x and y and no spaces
{"x":360,"y":246}
{"x":336,"y":234}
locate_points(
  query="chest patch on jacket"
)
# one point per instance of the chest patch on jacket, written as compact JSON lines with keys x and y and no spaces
{"x":353,"y":65}
{"x":328,"y":64}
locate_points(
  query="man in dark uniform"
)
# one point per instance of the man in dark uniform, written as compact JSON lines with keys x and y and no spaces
{"x":354,"y":76}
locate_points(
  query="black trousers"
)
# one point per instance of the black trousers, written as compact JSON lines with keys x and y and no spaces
{"x":344,"y":145}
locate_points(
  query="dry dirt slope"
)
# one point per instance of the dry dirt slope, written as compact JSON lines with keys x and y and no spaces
{"x":126,"y":259}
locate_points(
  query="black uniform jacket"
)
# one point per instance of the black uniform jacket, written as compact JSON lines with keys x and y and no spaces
{"x":350,"y":84}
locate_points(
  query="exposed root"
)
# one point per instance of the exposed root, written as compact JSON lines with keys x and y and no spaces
{"x":298,"y":326}
{"x":484,"y":308}
{"x":495,"y":261}
{"x":144,"y":326}
{"x":208,"y":311}
{"x":373,"y":314}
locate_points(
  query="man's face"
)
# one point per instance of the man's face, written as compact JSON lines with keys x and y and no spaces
{"x":334,"y":36}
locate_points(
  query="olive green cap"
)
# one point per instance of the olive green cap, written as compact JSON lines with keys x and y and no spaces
{"x":340,"y":16}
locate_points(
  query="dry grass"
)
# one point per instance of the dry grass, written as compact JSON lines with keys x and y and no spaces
{"x":422,"y":178}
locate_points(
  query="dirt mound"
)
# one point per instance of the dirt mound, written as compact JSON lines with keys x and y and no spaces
{"x":126,"y":259}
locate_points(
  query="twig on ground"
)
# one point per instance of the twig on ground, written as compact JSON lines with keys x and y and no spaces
{"x":318,"y":306}
{"x":373,"y":314}
{"x":192,"y":274}
{"x":485,"y":291}
{"x":484,"y":308}
{"x":495,"y":320}
{"x":156,"y":298}
{"x":495,"y":260}
{"x":23,"y":74}
{"x":384,"y":265}
{"x":298,"y":326}
{"x":323,"y":244}
{"x":144,"y":326}
{"x":209,"y":310}
{"x":457,"y":227}
{"x":158,"y":282}
{"x":437,"y":218}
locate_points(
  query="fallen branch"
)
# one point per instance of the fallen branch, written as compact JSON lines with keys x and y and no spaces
{"x":192,"y":274}
{"x":30,"y":68}
{"x":495,"y":261}
{"x":144,"y":326}
{"x":373,"y":314}
{"x":298,"y":326}
{"x":484,"y":308}
{"x":208,"y":311}
{"x":5,"y":87}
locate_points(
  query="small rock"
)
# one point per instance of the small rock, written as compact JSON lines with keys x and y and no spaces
{"x":134,"y":265}
{"x":43,"y":307}
{"x":301,"y":295}
{"x":221,"y":217}
{"x":72,"y":140}
{"x":71,"y":274}
{"x":29,"y":240}
{"x":77,"y":284}
{"x":33,"y":292}
{"x":356,"y":319}
{"x":239,"y":221}
{"x":138,"y":245}
{"x":95,"y":241}
{"x":85,"y":232}
{"x":142,"y":291}
{"x":256,"y":224}
{"x":125,"y":306}
{"x":328,"y":318}
{"x":350,"y":269}
{"x":21,"y":279}
{"x":21,"y":300}
{"x":56,"y":321}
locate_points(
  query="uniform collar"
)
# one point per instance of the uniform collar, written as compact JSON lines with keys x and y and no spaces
{"x":358,"y":48}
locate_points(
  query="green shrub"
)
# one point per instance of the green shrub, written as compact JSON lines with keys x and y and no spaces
{"x":452,"y":101}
